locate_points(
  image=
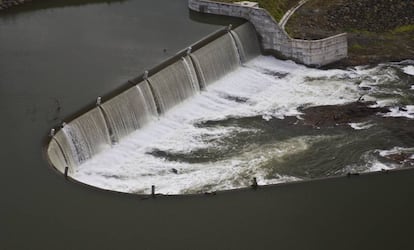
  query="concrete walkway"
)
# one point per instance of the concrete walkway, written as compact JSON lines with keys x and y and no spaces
{"x":289,"y":13}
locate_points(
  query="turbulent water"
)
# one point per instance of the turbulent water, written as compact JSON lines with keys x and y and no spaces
{"x":248,"y":124}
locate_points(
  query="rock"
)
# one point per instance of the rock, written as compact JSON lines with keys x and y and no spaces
{"x":400,"y":157}
{"x":333,"y":115}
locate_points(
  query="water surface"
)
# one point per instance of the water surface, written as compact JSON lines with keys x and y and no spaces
{"x":54,"y":61}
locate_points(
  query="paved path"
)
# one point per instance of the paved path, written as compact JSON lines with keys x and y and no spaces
{"x":289,"y":13}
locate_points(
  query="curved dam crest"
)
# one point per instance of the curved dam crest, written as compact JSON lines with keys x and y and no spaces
{"x":219,"y":114}
{"x":105,"y":125}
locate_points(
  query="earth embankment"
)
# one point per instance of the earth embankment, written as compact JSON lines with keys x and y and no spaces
{"x":378,"y":30}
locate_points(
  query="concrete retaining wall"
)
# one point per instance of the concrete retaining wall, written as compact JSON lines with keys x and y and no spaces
{"x":274,"y":38}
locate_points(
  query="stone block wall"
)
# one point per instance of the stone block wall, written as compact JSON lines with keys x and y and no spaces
{"x":274,"y":38}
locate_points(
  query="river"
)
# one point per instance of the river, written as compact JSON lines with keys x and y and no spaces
{"x":56,"y":59}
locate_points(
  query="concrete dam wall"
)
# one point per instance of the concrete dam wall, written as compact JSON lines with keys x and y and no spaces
{"x":273,"y":38}
{"x":155,"y":93}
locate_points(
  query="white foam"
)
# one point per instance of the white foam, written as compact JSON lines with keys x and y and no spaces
{"x":138,"y":175}
{"x":127,"y":167}
{"x":395,"y":150}
{"x":385,"y":102}
{"x":376,"y":76}
{"x":360,"y":125}
{"x":371,"y":163}
{"x":383,"y":84}
{"x":409,"y":70}
{"x":407,"y":111}
{"x":379,"y":166}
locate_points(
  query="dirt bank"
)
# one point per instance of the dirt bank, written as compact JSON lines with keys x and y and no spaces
{"x":378,"y":30}
{"x":276,"y":8}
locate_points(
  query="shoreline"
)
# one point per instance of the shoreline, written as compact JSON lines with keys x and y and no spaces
{"x":375,"y":36}
{"x":6,"y":4}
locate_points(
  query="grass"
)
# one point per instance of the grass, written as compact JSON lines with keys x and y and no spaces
{"x":404,"y":28}
{"x":276,"y":8}
{"x":356,"y":46}
{"x":358,"y":31}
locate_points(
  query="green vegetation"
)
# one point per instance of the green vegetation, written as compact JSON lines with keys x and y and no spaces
{"x":358,"y":31}
{"x":356,"y":46}
{"x":277,"y":8}
{"x":378,"y":30}
{"x":374,"y":34}
{"x":404,"y":28}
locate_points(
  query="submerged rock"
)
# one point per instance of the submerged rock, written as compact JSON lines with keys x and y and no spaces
{"x":400,"y":157}
{"x":333,"y":115}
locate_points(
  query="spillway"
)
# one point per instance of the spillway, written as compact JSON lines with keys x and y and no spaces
{"x":174,"y":84}
{"x":220,"y":113}
{"x":216,"y":59}
{"x":97,"y":130}
{"x":130,"y":110}
{"x":83,"y":138}
{"x":246,"y":42}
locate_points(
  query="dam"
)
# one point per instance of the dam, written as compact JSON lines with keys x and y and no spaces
{"x":57,"y":58}
{"x":219,"y":114}
{"x":190,"y":72}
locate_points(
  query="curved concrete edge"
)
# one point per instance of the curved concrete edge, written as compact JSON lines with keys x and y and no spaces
{"x":275,"y":39}
{"x":56,"y":156}
{"x":57,"y":148}
{"x":290,"y":12}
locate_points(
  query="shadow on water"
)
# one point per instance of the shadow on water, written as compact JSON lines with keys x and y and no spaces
{"x":214,"y":19}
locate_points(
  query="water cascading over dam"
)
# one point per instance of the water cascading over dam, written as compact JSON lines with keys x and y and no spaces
{"x":83,"y":138}
{"x":212,"y":66}
{"x":174,"y":84}
{"x":99,"y":129}
{"x":219,"y":114}
{"x":130,"y":110}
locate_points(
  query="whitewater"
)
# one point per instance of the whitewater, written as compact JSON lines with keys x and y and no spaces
{"x":264,"y":87}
